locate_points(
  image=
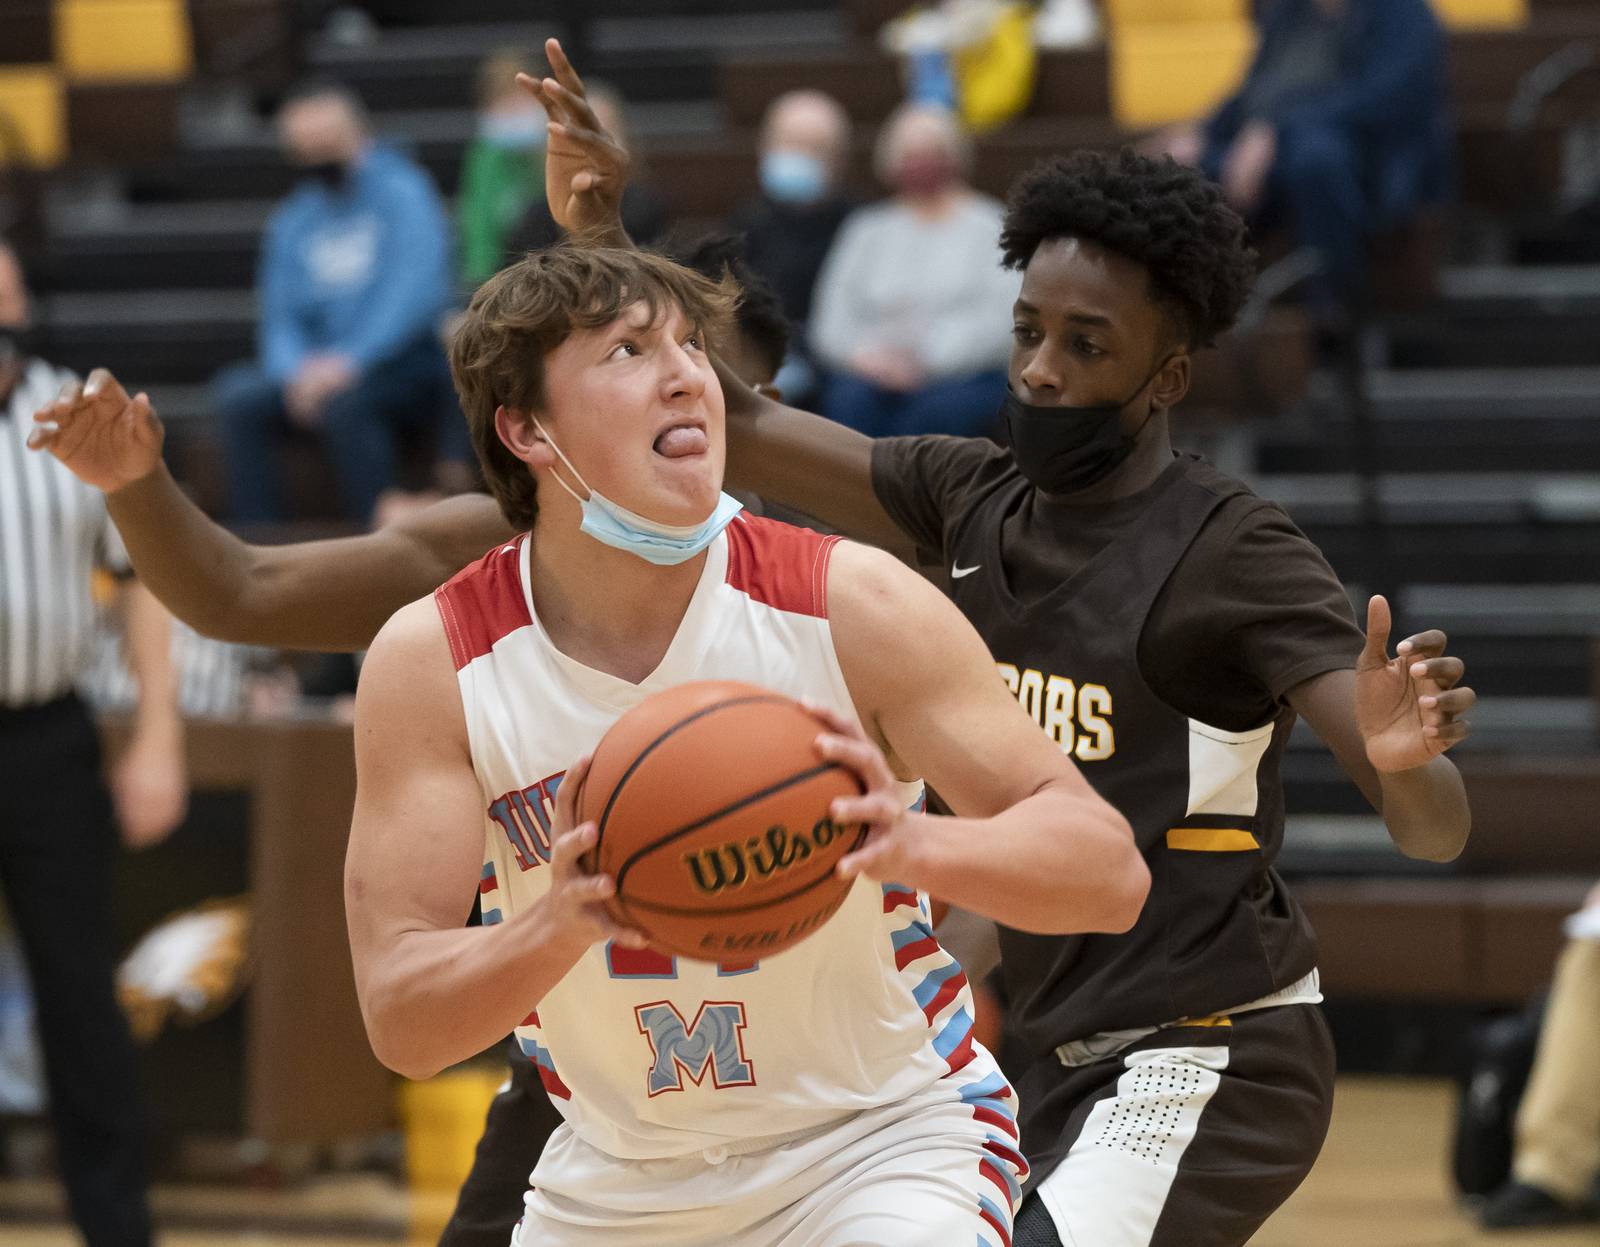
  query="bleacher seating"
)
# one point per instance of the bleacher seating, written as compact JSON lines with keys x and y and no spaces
{"x":1485,"y":402}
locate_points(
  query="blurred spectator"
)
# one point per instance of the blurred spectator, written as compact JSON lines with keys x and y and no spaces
{"x":1557,"y":1157}
{"x":355,"y":276}
{"x":502,"y":173}
{"x":644,"y":212}
{"x":1339,"y":131}
{"x":913,"y":311}
{"x":59,"y":822}
{"x":789,"y":226}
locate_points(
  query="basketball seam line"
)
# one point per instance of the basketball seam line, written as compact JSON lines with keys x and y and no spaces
{"x":638,"y":761}
{"x":751,"y":798}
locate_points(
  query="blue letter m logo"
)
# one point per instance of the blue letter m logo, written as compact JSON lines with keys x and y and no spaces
{"x":712,"y":1041}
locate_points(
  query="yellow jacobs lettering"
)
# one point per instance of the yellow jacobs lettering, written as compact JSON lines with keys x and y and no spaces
{"x":1076,"y":716}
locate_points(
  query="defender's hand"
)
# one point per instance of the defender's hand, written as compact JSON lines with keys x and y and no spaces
{"x":1408,"y":707}
{"x":105,"y":438}
{"x":585,"y":168}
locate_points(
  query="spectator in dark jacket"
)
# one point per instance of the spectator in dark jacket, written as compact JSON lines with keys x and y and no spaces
{"x":1340,"y":130}
{"x":790,"y":224}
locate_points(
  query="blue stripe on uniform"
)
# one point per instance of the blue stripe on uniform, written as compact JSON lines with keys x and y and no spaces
{"x":955,"y":1030}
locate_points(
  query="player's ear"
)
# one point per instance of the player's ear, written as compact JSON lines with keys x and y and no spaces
{"x":1172,"y":382}
{"x":520,"y":435}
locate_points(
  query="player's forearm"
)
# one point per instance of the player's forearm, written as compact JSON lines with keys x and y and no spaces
{"x":433,"y":998}
{"x":812,"y":464}
{"x":1055,"y":863}
{"x":1426,"y":811}
{"x":194,"y":566}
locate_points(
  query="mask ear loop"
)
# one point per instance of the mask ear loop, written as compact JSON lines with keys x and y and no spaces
{"x":550,"y":441}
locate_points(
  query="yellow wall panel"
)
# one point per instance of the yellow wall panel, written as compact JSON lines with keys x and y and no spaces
{"x":1162,"y":74}
{"x":1128,"y":12}
{"x":108,"y":40}
{"x":34,"y":101}
{"x":1481,"y":13}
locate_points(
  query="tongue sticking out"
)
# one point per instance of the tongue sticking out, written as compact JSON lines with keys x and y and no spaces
{"x":677,"y":443}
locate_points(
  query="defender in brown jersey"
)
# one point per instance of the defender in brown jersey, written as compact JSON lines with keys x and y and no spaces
{"x":1165,"y":625}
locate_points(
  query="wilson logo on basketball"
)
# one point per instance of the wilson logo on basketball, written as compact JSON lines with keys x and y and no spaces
{"x":728,"y":866}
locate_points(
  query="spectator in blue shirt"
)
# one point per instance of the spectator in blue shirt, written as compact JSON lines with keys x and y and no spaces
{"x":355,"y":277}
{"x":1340,"y":130}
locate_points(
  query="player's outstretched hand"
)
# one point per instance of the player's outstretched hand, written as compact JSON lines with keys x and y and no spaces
{"x":106,"y":438}
{"x":1408,"y":707}
{"x":887,"y":855}
{"x":576,"y":900}
{"x":585,"y":167}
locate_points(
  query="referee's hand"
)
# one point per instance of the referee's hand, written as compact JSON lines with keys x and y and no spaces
{"x":104,"y":437}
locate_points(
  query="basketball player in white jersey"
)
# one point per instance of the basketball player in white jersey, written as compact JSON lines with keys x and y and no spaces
{"x":827,"y":1097}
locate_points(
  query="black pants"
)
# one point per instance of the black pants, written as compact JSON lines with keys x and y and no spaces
{"x":1191,"y":1137}
{"x":58,"y":857}
{"x":520,"y":1121}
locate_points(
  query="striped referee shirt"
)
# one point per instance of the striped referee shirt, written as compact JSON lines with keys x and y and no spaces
{"x":54,"y":531}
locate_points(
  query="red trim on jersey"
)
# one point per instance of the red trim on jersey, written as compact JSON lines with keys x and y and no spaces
{"x":908,"y":954}
{"x":532,"y":1019}
{"x":995,"y":1225}
{"x":626,"y":961}
{"x":963,"y":1054}
{"x":998,"y":1120}
{"x":946,"y":993}
{"x":553,"y":1084}
{"x":991,"y":1171}
{"x":894,"y":900}
{"x":784,"y":566}
{"x":1010,"y":1155}
{"x":483,"y":602}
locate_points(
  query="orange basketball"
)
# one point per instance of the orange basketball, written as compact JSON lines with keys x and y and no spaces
{"x":712,"y":808}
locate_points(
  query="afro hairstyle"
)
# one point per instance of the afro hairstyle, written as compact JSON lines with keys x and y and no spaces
{"x":1158,"y":213}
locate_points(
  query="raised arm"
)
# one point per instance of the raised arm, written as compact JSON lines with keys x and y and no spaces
{"x":434,"y":992}
{"x":326,"y":595}
{"x":790,"y":456}
{"x":1031,"y":844}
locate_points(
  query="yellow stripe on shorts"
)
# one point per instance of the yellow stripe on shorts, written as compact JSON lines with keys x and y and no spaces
{"x":1212,"y":839}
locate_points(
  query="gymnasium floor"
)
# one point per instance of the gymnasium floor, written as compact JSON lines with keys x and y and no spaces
{"x":1380,"y":1183}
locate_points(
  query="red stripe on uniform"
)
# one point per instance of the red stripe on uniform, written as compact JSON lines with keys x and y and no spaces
{"x":893,"y":900}
{"x":1005,"y":1234}
{"x":488,"y":885}
{"x":483,"y":603}
{"x":781,"y":565}
{"x":1010,"y":1155}
{"x":963,"y":1054}
{"x":946,"y":993}
{"x":991,"y":1171}
{"x":553,"y":1084}
{"x":638,"y":960}
{"x":532,"y":1019}
{"x":998,"y":1120}
{"x":922,"y":948}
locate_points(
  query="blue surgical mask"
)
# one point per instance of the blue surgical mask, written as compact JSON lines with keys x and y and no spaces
{"x":665,"y":545}
{"x":522,"y":130}
{"x":793,"y":177}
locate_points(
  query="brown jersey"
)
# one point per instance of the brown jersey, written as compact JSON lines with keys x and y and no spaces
{"x":1173,"y":711}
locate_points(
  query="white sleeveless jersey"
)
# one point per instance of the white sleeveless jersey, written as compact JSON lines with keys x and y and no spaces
{"x":650,"y":1056}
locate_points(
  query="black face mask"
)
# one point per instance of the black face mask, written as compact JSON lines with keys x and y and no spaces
{"x":331,"y":173}
{"x":1063,"y":450}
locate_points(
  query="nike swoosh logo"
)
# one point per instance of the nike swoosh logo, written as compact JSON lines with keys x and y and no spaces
{"x":957,"y":571}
